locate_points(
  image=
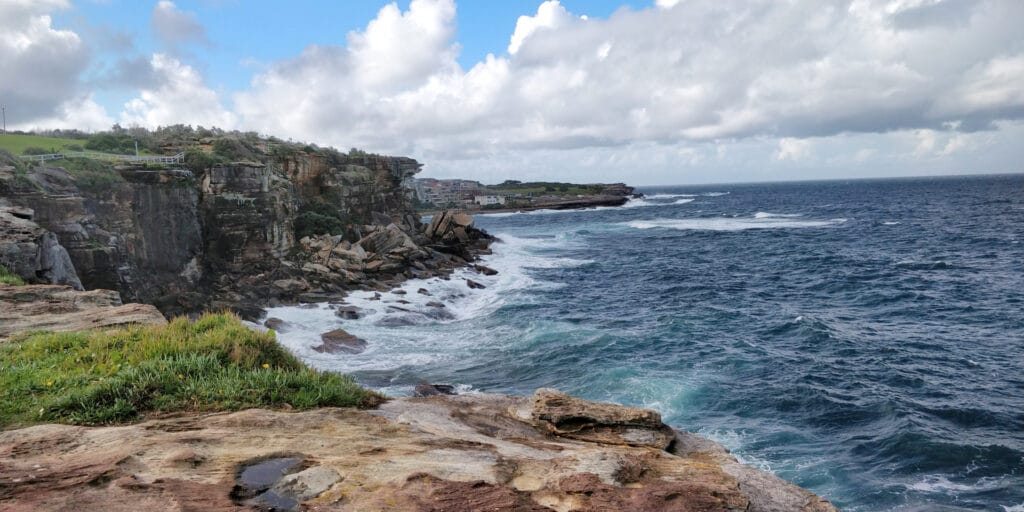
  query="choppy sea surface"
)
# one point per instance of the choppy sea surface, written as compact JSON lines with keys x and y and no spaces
{"x":863,"y":339}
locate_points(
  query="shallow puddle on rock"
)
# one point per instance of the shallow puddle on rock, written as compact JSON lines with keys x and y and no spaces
{"x":263,"y":474}
{"x":257,"y":479}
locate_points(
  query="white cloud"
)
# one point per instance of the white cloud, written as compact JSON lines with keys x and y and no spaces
{"x":39,"y":65}
{"x":793,"y":149}
{"x":706,"y":71}
{"x":397,"y":48}
{"x":174,"y":27}
{"x":177,"y":96}
{"x":550,"y":15}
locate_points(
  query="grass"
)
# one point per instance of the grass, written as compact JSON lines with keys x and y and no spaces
{"x":17,"y":144}
{"x":6,"y":277}
{"x":107,"y":377}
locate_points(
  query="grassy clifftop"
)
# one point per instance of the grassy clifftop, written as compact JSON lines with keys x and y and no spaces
{"x":215,"y":363}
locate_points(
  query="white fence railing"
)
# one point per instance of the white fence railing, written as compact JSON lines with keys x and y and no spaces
{"x":175,"y":159}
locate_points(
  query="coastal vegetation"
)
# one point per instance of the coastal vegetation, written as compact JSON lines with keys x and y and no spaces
{"x":6,"y":277}
{"x":214,"y":363}
{"x":545,"y":187}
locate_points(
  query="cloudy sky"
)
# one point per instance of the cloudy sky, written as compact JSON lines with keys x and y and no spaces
{"x":648,"y":92}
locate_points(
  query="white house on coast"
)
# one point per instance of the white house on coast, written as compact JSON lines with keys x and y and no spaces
{"x":488,"y":200}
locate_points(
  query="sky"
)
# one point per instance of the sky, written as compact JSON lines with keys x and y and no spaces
{"x":647,"y":92}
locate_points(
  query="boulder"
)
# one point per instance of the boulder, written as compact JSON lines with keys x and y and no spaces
{"x":339,"y":341}
{"x":423,"y":291}
{"x":306,"y":484}
{"x":462,"y":219}
{"x":274,"y":323}
{"x":435,"y":304}
{"x":434,"y":390}
{"x":291,"y":285}
{"x":383,"y":241}
{"x":474,"y":285}
{"x":575,"y":418}
{"x":487,"y":271}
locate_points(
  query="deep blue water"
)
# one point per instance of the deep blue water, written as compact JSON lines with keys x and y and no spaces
{"x":863,"y":339}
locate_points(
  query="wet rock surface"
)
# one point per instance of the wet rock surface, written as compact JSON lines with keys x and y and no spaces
{"x":434,"y":390}
{"x":454,"y":453}
{"x":340,"y":341}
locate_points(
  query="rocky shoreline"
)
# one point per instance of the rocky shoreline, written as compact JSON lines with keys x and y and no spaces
{"x":227,"y":237}
{"x":549,"y":452}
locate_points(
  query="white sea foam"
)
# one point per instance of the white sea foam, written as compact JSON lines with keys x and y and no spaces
{"x":1014,"y":508}
{"x":769,"y":215}
{"x":393,"y":324}
{"x":714,"y":194}
{"x":942,"y":484}
{"x":668,"y":196}
{"x":732,"y":224}
{"x":891,"y":223}
{"x":683,"y":201}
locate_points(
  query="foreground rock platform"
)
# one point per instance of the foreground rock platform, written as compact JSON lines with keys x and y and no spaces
{"x":439,"y":453}
{"x":62,"y":308}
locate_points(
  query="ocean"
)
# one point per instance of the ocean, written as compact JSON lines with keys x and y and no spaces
{"x":863,"y":339}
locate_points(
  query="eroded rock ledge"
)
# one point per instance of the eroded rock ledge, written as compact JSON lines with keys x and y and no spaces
{"x":62,"y":308}
{"x":441,"y":453}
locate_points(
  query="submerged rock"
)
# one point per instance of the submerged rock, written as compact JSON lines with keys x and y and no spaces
{"x":433,"y":390}
{"x":348,"y":312}
{"x":274,"y":323}
{"x":474,"y":285}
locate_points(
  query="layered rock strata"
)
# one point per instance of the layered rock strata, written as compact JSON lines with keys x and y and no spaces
{"x":225,"y":238}
{"x":61,"y":308}
{"x":441,"y":453}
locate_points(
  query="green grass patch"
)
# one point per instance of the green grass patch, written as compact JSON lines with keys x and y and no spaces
{"x":17,"y":144}
{"x":105,"y":377}
{"x":6,"y":277}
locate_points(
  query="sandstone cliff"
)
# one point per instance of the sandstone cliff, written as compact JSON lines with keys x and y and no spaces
{"x":550,"y":452}
{"x":223,"y":237}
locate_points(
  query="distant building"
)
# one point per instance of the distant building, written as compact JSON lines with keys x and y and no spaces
{"x":488,"y":200}
{"x":445,"y":192}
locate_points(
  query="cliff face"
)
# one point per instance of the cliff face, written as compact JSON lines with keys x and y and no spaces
{"x":186,"y":242}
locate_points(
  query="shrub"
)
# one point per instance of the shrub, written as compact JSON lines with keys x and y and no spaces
{"x":215,"y":363}
{"x":34,"y":150}
{"x":116,"y":142}
{"x":319,"y":218}
{"x":92,"y":175}
{"x":198,"y":161}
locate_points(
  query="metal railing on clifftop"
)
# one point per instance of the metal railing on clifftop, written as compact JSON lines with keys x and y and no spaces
{"x":110,"y":157}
